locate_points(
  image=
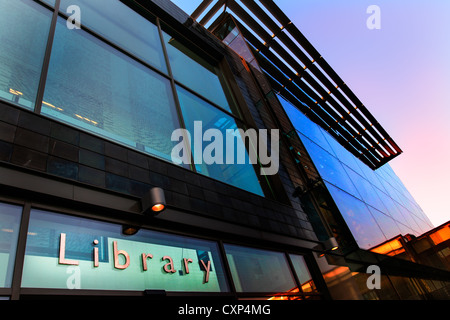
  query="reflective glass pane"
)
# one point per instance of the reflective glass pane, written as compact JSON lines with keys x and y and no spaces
{"x":9,"y":232}
{"x":329,"y":167}
{"x":196,"y":110}
{"x":386,"y":223}
{"x":257,"y":270}
{"x":358,"y":218}
{"x":24,"y":27}
{"x":76,"y":253}
{"x":194,"y":72}
{"x":366,"y":190}
{"x":121,"y":25}
{"x":94,"y":87}
{"x":302,"y":123}
{"x":303,"y":274}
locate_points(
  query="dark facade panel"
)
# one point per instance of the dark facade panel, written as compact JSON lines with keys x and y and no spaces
{"x":72,"y":155}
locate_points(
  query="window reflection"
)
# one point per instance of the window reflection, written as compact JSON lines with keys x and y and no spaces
{"x":361,"y":223}
{"x":191,"y":70}
{"x":240,"y":175}
{"x":24,"y":27}
{"x":9,"y":231}
{"x":257,"y":270}
{"x":329,"y":167}
{"x":165,"y":267}
{"x":94,"y":87}
{"x":111,"y":19}
{"x":303,"y":275}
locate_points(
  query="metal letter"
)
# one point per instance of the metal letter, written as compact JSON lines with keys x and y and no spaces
{"x":206,"y":269}
{"x":62,"y":252}
{"x":117,"y":265}
{"x":144,"y":260}
{"x":186,"y":261}
{"x":172,"y":268}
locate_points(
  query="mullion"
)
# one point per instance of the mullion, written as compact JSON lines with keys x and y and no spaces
{"x":46,"y":62}
{"x":174,"y":93}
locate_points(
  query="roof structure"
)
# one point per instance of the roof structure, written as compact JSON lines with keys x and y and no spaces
{"x":299,"y":73}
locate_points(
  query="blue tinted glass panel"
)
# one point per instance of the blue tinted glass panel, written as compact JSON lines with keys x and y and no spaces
{"x":171,"y":262}
{"x":255,"y":270}
{"x":239,"y":175}
{"x":386,"y":223}
{"x":123,"y":26}
{"x":305,"y":126}
{"x":9,"y":232}
{"x":329,"y":167}
{"x":303,"y":275}
{"x":344,"y":155}
{"x":366,"y":190}
{"x":24,"y":27}
{"x":194,"y":72}
{"x":94,"y":87}
{"x":360,"y":221}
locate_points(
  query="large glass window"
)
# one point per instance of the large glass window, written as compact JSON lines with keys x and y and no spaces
{"x":121,"y":25}
{"x":329,"y":167}
{"x":303,"y":275}
{"x":95,"y":87}
{"x":76,"y":253}
{"x":10,"y":216}
{"x":24,"y":27}
{"x":194,"y":72}
{"x":366,"y":191}
{"x":387,"y":224}
{"x":255,"y":270}
{"x":358,"y":218}
{"x":305,"y":126}
{"x":241,"y":175}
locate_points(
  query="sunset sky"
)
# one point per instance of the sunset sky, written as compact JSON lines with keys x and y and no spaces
{"x":400,"y":72}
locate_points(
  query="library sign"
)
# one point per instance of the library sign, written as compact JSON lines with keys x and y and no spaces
{"x":120,"y":264}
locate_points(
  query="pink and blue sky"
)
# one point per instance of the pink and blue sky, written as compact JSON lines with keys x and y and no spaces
{"x":400,"y":72}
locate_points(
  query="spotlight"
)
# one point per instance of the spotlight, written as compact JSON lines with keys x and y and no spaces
{"x":129,"y":230}
{"x":154,"y":201}
{"x":326,"y":246}
{"x":331,"y":244}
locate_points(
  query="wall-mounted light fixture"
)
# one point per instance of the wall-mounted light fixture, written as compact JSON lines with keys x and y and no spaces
{"x":129,"y":230}
{"x":327,"y":246}
{"x":153,"y":202}
{"x":331,"y":244}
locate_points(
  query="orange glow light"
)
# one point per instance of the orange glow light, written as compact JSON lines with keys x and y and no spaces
{"x":441,"y":235}
{"x":158,"y":207}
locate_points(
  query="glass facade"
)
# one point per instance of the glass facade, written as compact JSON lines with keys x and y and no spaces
{"x":24,"y":28}
{"x":194,"y":72}
{"x":115,"y":78}
{"x":10,"y":216}
{"x":72,"y":252}
{"x":147,"y":260}
{"x":194,"y":110}
{"x":97,"y":88}
{"x":259,"y":270}
{"x":140,"y":38}
{"x":375,"y":205}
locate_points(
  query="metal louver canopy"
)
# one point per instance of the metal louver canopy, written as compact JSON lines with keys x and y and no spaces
{"x":301,"y":75}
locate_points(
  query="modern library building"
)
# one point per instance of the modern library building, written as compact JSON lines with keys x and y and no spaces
{"x":96,"y":98}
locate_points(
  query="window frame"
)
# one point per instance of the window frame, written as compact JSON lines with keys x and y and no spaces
{"x":222,"y":67}
{"x":16,"y":292}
